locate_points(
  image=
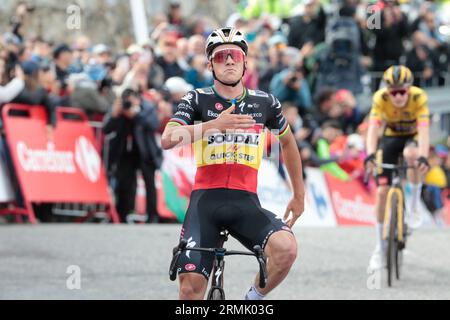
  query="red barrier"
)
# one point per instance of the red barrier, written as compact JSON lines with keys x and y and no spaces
{"x":352,"y":204}
{"x":445,"y":195}
{"x":64,"y":167}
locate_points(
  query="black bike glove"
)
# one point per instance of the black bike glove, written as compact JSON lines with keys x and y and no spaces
{"x":423,"y":160}
{"x":370,"y":158}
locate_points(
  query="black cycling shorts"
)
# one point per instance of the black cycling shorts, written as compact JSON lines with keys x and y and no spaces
{"x":392,"y":149}
{"x":212,"y":210}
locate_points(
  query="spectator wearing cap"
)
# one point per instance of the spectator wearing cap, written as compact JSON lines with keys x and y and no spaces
{"x":85,"y":94}
{"x":102,"y":54}
{"x":62,"y":56}
{"x":34,"y":94}
{"x":351,"y":154}
{"x":177,"y":87}
{"x":47,"y":78}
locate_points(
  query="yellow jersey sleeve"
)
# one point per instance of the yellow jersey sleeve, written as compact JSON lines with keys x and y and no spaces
{"x":420,"y":100}
{"x":377,"y":109}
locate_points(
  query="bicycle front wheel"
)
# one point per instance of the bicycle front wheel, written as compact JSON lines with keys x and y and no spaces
{"x":392,"y":252}
{"x":216,"y":294}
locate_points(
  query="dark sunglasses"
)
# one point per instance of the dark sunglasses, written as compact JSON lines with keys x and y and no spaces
{"x":401,"y":92}
{"x":222,"y":55}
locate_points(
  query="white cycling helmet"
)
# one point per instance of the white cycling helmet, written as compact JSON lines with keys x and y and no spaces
{"x":224,"y":36}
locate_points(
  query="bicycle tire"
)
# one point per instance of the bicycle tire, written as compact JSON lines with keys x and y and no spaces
{"x":400,"y":247}
{"x":398,"y":263}
{"x":216,"y":294}
{"x":392,"y":240}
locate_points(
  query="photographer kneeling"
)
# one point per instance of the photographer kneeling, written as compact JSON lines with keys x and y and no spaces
{"x":133,"y":122}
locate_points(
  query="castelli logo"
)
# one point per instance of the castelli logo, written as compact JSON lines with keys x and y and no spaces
{"x":190,"y":267}
{"x":87,"y":159}
{"x":219,"y":106}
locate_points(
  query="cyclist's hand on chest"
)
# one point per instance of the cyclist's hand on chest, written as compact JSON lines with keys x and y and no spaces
{"x":230,"y":121}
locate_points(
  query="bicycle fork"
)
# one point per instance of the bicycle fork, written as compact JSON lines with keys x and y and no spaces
{"x":217,"y":276}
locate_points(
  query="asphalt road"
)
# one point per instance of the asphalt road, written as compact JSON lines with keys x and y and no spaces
{"x":131,"y":262}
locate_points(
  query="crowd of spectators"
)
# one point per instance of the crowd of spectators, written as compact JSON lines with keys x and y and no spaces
{"x":313,"y":62}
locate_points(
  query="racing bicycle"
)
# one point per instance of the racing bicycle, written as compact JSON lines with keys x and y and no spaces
{"x":394,"y":227}
{"x":216,"y":291}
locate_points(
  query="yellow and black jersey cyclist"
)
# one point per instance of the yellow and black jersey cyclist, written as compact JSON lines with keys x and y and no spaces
{"x":401,"y":110}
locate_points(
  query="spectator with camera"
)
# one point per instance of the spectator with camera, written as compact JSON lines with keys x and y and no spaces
{"x":133,"y":121}
{"x":291,"y":85}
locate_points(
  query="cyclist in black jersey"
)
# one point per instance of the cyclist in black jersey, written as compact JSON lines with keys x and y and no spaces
{"x":228,"y":146}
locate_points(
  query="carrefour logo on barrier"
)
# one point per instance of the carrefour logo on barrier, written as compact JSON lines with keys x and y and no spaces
{"x":45,"y":160}
{"x":87,"y":159}
{"x":50,"y":160}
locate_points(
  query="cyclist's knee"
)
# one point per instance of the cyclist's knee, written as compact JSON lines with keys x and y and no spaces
{"x":192,"y":286}
{"x":410,"y":154}
{"x":282,"y":249}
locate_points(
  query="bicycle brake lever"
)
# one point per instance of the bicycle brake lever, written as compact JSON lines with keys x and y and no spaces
{"x":176,"y":254}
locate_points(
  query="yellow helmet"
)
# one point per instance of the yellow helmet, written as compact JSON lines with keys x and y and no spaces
{"x":398,"y":76}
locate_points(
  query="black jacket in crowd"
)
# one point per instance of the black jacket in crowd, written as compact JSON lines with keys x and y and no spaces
{"x":143,"y":126}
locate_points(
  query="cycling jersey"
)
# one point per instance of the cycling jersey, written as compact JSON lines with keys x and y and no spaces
{"x":400,"y":121}
{"x":230,"y":160}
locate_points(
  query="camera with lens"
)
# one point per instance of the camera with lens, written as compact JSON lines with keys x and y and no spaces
{"x":126,"y":94}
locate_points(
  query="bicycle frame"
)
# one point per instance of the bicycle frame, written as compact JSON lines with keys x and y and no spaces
{"x":219,"y":263}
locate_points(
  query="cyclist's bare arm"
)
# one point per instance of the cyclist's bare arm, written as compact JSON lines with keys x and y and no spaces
{"x":293,"y":163}
{"x":372,"y":139}
{"x":177,"y":135}
{"x":423,"y":138}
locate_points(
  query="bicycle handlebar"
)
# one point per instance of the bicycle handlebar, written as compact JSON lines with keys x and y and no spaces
{"x":176,"y":255}
{"x":396,"y":167}
{"x":258,"y":252}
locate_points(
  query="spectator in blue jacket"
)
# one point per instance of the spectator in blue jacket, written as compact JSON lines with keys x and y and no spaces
{"x":290,"y":85}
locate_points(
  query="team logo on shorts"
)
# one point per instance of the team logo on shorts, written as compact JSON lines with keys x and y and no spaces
{"x":219,"y":106}
{"x":190,"y":267}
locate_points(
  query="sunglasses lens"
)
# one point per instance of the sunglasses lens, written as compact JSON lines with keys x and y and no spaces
{"x":400,"y":92}
{"x":222,"y":56}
